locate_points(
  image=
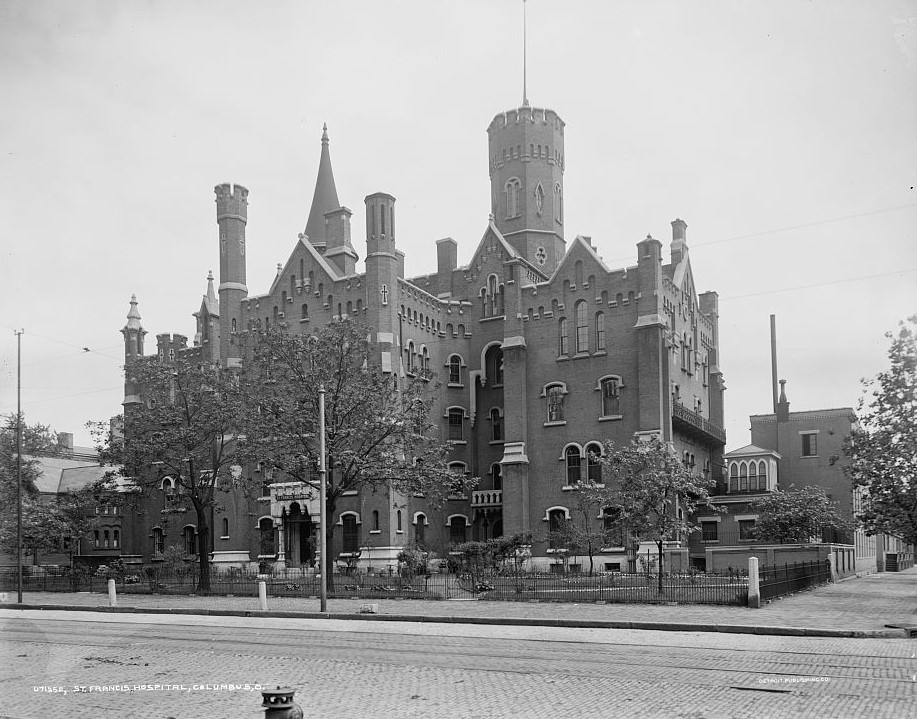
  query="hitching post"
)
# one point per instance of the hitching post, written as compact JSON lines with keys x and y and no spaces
{"x":754,"y":590}
{"x":112,"y":596}
{"x":262,"y":595}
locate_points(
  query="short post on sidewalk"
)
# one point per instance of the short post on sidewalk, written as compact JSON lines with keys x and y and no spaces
{"x":754,"y":590}
{"x":112,"y":595}
{"x":262,"y":595}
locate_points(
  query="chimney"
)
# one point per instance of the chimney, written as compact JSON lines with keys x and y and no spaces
{"x":446,"y":255}
{"x":679,"y":245}
{"x":65,"y":441}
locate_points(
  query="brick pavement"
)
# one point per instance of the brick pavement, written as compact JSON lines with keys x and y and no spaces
{"x":860,"y":606}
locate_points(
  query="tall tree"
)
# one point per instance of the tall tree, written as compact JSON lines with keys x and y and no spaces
{"x":379,"y":434}
{"x":653,"y":494}
{"x":882,"y":452}
{"x":584,"y":533}
{"x":796,"y":515}
{"x":45,"y":519}
{"x":184,"y":429}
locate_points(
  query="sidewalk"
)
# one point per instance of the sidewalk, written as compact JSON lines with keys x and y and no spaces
{"x":877,"y":605}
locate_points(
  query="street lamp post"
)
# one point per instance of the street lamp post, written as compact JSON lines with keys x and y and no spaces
{"x":19,"y":464}
{"x":323,"y":512}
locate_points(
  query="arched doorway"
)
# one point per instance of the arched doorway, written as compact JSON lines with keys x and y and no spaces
{"x":297,"y":534}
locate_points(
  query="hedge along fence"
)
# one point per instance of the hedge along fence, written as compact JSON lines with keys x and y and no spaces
{"x":688,"y":588}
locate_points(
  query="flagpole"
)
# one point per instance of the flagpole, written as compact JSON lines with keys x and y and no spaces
{"x":19,"y":464}
{"x":323,"y":491}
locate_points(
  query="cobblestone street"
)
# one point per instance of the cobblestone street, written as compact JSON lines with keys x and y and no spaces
{"x":395,"y":669}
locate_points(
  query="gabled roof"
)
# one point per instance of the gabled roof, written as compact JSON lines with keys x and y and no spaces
{"x":319,"y":259}
{"x":750,"y":450}
{"x":325,"y":197}
{"x":501,"y":240}
{"x":60,"y":474}
{"x":580,"y":241}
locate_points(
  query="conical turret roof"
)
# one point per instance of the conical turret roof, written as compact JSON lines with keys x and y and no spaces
{"x":325,"y":197}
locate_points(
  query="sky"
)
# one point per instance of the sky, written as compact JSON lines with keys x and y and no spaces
{"x":783,"y":132}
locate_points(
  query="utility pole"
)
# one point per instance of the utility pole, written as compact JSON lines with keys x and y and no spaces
{"x":18,"y":334}
{"x":322,"y":492}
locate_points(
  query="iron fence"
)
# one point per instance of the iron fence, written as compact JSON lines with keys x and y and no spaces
{"x":780,"y":580}
{"x":605,"y":587}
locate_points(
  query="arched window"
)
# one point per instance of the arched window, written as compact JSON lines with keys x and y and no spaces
{"x":375,"y":520}
{"x":266,"y":537}
{"x":762,"y":475}
{"x":493,"y":363}
{"x":496,"y":425}
{"x":411,"y":361}
{"x":512,"y":192}
{"x":457,"y":529}
{"x":456,"y":424}
{"x":492,"y":299}
{"x":305,"y":312}
{"x":106,"y":541}
{"x":117,"y":538}
{"x":574,"y":465}
{"x":96,"y":537}
{"x":600,"y":330}
{"x":594,"y":463}
{"x":743,"y":477}
{"x":455,"y":369}
{"x":419,"y":529}
{"x":733,"y":477}
{"x":555,"y":395}
{"x":562,"y":346}
{"x":496,"y":471}
{"x":351,"y":533}
{"x":582,"y":327}
{"x":753,"y":476}
{"x":558,"y":203}
{"x":612,"y":527}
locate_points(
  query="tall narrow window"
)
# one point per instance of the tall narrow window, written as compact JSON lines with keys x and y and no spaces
{"x":562,"y":346}
{"x":158,"y":541}
{"x":225,"y":527}
{"x":455,"y":369}
{"x":600,"y":330}
{"x":457,"y":530}
{"x":557,"y":519}
{"x":733,"y":477}
{"x":496,"y":425}
{"x":419,"y":534}
{"x":574,"y":465}
{"x":382,"y":217}
{"x":594,"y":463}
{"x":117,"y":538}
{"x":398,"y":520}
{"x":611,"y":401}
{"x":743,"y":477}
{"x":753,"y":476}
{"x":496,"y":471}
{"x":351,"y":534}
{"x":188,"y":535}
{"x":375,"y":520}
{"x":555,"y":394}
{"x":266,"y":537}
{"x":456,"y":422}
{"x":582,"y":327}
{"x":511,"y":192}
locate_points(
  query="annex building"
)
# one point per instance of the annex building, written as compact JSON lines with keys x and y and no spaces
{"x":541,"y":351}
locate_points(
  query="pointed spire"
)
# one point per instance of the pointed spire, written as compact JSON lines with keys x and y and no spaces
{"x":325,"y":197}
{"x":133,"y":316}
{"x":525,"y":97}
{"x":211,"y":295}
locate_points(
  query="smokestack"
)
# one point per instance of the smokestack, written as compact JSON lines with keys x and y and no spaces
{"x":774,"y":360}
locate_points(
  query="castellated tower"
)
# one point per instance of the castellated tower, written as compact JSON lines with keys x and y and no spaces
{"x":382,"y":275}
{"x":232,"y":215}
{"x":526,"y":160}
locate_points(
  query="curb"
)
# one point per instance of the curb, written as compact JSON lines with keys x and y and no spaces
{"x":498,"y":621}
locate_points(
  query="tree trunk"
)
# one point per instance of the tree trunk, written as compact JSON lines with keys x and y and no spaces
{"x":659,"y":545}
{"x":203,"y":549}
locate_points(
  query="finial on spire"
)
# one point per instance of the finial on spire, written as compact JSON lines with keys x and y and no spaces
{"x":133,"y":315}
{"x":210,"y":293}
{"x":324,"y":133}
{"x":525,"y":97}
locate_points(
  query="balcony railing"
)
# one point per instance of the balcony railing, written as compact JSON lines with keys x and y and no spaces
{"x":695,"y":423}
{"x":487,"y":498}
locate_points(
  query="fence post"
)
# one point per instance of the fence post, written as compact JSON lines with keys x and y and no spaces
{"x":754,"y":590}
{"x":262,"y":595}
{"x":112,"y":595}
{"x":832,"y":569}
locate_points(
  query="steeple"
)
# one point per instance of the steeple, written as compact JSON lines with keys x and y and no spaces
{"x":325,"y":197}
{"x":133,"y":349}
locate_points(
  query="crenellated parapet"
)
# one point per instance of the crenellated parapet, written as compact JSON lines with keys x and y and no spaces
{"x":232,"y":202}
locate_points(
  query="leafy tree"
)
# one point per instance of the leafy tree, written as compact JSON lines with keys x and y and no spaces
{"x":184,"y":429}
{"x":653,"y":494}
{"x":795,"y":515}
{"x":583,"y":533}
{"x":45,"y":520}
{"x":882,"y":453}
{"x":379,"y":436}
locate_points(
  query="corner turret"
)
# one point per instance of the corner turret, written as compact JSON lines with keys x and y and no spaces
{"x":133,"y":350}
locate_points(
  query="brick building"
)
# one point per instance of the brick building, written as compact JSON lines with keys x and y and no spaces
{"x":541,"y":349}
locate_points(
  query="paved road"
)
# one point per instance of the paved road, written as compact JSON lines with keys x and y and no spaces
{"x":407,"y":669}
